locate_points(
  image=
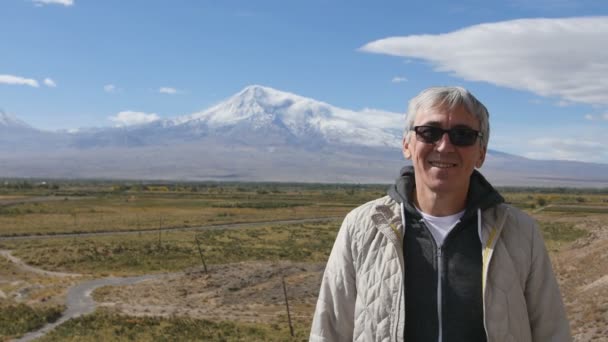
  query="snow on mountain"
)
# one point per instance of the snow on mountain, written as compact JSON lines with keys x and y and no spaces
{"x":256,"y":116}
{"x":298,"y":118}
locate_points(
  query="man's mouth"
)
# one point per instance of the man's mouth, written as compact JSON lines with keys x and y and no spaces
{"x":441,"y":165}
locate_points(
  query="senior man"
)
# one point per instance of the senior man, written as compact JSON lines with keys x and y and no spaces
{"x":442,"y":257}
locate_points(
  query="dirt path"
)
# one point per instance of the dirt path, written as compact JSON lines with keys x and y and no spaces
{"x":79,"y":301}
{"x":22,"y":265}
{"x":569,"y":206}
{"x":13,"y":201}
{"x":245,"y":292}
{"x":220,"y":226}
{"x":78,"y":297}
{"x":582,"y":270}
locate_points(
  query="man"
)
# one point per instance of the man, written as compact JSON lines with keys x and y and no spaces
{"x":442,"y":257}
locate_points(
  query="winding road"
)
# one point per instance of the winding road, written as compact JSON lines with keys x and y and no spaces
{"x":79,"y":301}
{"x":155,"y":230}
{"x":78,"y":298}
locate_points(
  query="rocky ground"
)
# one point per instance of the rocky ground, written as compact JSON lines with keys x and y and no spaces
{"x":582,"y":270}
{"x":250,"y":292}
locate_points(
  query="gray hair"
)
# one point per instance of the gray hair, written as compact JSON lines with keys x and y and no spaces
{"x":450,"y":98}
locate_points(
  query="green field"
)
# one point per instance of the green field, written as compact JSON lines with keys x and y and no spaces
{"x":106,"y":326}
{"x":18,"y":319}
{"x":171,"y":251}
{"x":107,"y":207}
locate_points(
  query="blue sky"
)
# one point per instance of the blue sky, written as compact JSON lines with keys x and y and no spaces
{"x":541,"y":67}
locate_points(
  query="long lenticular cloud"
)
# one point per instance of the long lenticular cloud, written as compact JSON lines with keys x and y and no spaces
{"x":563,"y":57}
{"x":17,"y":80}
{"x":54,"y":2}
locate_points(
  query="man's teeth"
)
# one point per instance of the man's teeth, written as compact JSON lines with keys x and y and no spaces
{"x":441,"y":164}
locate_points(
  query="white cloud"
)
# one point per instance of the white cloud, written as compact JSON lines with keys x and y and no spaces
{"x":49,"y":83}
{"x":109,"y":88}
{"x":605,"y":116}
{"x":380,"y":118}
{"x":54,"y":2}
{"x":589,"y":117}
{"x":17,"y":80}
{"x":548,"y":57}
{"x":129,"y":118}
{"x":398,"y":79}
{"x":168,"y":90}
{"x":567,"y":149}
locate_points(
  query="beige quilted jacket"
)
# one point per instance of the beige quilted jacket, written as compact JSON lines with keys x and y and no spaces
{"x":362,"y":292}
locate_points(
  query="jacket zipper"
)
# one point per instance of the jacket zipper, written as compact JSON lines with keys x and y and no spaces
{"x":439,"y":300}
{"x":439,"y":251}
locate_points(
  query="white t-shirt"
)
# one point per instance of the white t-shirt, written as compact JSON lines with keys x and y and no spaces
{"x":440,"y":226}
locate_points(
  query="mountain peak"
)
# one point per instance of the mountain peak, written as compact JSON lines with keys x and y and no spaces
{"x":260,"y":112}
{"x":254,"y":102}
{"x":257,"y":89}
{"x":264,"y":95}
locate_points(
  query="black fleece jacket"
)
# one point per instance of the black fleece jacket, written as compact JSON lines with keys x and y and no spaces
{"x":456,"y":266}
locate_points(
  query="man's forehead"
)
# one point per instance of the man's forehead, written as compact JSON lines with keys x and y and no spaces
{"x":438,"y":115}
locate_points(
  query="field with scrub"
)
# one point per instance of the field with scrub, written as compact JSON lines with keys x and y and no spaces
{"x":222,"y":257}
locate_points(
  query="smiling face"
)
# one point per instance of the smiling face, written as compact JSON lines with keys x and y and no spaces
{"x":442,"y":168}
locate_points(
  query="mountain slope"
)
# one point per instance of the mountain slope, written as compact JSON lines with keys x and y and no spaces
{"x":262,"y":114}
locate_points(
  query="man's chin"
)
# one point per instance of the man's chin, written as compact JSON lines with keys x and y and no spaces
{"x":442,"y":174}
{"x":445,"y":184}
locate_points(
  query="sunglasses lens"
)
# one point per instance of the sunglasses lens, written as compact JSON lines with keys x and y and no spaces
{"x":428,"y":134}
{"x":463,"y":136}
{"x":458,"y":136}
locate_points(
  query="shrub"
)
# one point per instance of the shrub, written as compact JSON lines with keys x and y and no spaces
{"x":18,"y":319}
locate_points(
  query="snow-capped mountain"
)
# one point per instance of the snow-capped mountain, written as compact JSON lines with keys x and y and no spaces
{"x":262,"y":117}
{"x":259,"y":134}
{"x":262,"y":114}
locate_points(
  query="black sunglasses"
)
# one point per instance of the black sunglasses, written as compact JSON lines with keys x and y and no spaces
{"x":459,"y":136}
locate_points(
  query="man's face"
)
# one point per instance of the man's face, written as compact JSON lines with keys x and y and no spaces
{"x":442,"y":167}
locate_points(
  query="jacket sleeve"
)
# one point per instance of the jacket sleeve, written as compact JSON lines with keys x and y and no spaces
{"x":548,"y":321}
{"x":334,"y":315}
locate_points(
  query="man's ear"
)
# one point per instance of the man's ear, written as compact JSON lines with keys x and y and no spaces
{"x":482,"y":157}
{"x":407,"y":153}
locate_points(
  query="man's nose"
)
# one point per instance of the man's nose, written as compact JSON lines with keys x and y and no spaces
{"x":444,"y":143}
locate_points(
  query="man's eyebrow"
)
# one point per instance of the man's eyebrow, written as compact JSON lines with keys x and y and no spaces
{"x":432,"y":123}
{"x":462,"y":126}
{"x":438,"y":124}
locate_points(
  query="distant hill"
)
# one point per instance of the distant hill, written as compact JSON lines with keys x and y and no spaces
{"x":259,"y":134}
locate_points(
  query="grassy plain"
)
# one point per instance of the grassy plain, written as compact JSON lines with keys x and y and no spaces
{"x":19,"y":316}
{"x":107,"y":207}
{"x":140,"y":253}
{"x":18,"y":319}
{"x":107,"y":326}
{"x":240,"y":256}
